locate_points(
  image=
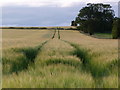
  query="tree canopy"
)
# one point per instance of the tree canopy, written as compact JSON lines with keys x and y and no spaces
{"x":95,"y":18}
{"x":116,"y":28}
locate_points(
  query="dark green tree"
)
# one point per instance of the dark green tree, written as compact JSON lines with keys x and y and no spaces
{"x":116,"y":28}
{"x":95,"y":18}
{"x":73,"y":23}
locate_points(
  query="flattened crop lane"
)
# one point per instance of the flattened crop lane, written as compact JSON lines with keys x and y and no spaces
{"x":56,"y":49}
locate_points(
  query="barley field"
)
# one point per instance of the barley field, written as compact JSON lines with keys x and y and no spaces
{"x":58,"y":59}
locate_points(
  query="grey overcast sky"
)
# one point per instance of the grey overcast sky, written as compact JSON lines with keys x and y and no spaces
{"x":45,"y":12}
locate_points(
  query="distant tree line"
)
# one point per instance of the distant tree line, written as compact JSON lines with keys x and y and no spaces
{"x":24,"y":28}
{"x":97,"y":18}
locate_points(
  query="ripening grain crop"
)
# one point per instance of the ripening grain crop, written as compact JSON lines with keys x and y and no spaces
{"x":58,"y":59}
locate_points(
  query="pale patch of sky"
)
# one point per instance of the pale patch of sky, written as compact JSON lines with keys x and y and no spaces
{"x":60,"y":3}
{"x":45,"y":12}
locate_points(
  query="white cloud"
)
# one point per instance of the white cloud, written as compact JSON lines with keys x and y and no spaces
{"x":36,"y":3}
{"x":101,"y":1}
{"x":60,"y":3}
